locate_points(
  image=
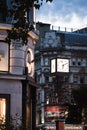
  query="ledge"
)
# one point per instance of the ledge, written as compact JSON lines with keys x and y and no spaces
{"x":11,"y":76}
{"x":5,"y":26}
{"x":32,"y":34}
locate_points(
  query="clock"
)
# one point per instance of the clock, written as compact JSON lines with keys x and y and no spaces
{"x":62,"y":65}
{"x":53,"y":65}
{"x":30,"y":62}
{"x":4,"y":56}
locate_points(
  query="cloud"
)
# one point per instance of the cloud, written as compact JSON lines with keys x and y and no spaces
{"x":70,"y":13}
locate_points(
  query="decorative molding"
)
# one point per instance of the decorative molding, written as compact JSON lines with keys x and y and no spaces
{"x":32,"y":34}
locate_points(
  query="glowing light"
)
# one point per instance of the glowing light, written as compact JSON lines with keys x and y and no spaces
{"x":2,"y":108}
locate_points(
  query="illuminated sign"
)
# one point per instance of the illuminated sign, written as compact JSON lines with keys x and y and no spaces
{"x":54,"y":111}
{"x":73,"y":127}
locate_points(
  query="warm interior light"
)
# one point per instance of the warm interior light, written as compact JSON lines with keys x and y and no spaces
{"x":2,"y":109}
{"x":1,"y":55}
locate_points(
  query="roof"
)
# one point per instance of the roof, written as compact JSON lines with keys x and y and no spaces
{"x":73,"y":37}
{"x":78,"y":38}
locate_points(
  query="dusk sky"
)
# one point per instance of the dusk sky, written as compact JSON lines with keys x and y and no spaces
{"x":64,"y":13}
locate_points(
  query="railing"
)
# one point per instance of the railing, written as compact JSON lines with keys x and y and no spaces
{"x":65,"y":29}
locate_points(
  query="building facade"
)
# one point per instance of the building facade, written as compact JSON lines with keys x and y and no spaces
{"x":17,"y":82}
{"x":57,"y":84}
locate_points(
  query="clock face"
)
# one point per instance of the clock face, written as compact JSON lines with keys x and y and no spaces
{"x":62,"y":65}
{"x":4,"y":54}
{"x":29,"y":62}
{"x":53,"y":65}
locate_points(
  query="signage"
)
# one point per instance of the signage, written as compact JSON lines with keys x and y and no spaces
{"x":73,"y":127}
{"x":54,"y":111}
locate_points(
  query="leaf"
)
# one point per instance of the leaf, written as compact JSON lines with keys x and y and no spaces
{"x":21,"y":24}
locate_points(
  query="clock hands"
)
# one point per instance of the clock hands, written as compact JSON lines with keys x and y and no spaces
{"x":64,"y":65}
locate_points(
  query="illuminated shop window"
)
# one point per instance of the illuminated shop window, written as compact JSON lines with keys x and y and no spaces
{"x":2,"y":109}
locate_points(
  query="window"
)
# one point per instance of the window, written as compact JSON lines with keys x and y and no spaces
{"x":83,"y":62}
{"x":47,"y":100}
{"x":5,"y":107}
{"x":73,"y":63}
{"x":2,"y":108}
{"x":75,"y":79}
{"x":82,"y":80}
{"x":79,"y":63}
{"x":46,"y":61}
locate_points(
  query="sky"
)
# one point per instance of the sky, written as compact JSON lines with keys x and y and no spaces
{"x":64,"y":13}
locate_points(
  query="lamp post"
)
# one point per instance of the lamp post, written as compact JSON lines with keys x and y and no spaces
{"x":59,"y":67}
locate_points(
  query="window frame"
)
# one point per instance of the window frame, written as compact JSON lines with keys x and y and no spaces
{"x":7,"y":97}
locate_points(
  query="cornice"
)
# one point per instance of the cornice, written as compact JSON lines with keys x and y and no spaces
{"x":14,"y":77}
{"x":32,"y":34}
